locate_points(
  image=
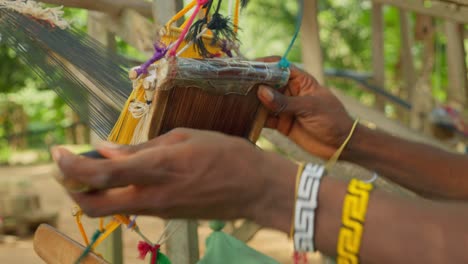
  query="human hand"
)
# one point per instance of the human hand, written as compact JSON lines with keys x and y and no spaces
{"x":185,"y":174}
{"x":306,"y":112}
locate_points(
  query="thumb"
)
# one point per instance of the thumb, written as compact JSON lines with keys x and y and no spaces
{"x":277,"y":102}
{"x":111,"y":150}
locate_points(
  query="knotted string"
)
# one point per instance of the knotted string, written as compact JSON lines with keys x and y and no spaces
{"x":284,"y":63}
{"x":144,"y":248}
{"x":160,"y":51}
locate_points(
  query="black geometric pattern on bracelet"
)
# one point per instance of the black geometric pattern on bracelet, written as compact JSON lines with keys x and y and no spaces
{"x":306,"y":204}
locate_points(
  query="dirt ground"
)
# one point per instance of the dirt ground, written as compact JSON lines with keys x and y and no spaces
{"x":54,"y":198}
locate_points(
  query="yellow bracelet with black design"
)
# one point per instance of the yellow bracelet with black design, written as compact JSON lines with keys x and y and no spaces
{"x":354,"y":215}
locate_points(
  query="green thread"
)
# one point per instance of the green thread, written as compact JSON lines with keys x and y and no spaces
{"x":87,"y":250}
{"x":284,"y":63}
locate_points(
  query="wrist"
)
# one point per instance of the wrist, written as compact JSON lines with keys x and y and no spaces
{"x":356,"y":147}
{"x":275,"y":205}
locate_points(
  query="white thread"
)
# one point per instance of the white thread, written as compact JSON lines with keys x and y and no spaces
{"x":36,"y":10}
{"x":138,"y":109}
{"x":375,"y":176}
{"x":191,"y":42}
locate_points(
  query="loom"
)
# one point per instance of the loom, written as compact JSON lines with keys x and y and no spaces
{"x":193,"y":80}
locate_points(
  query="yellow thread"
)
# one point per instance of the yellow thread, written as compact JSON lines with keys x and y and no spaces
{"x":181,"y":13}
{"x":101,"y":224}
{"x":300,"y":169}
{"x":332,"y":161}
{"x":354,"y":214}
{"x":78,"y":215}
{"x":109,"y":229}
{"x":123,"y":130}
{"x":236,"y":16}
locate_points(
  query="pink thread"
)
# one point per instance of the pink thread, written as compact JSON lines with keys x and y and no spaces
{"x":184,"y":32}
{"x":144,"y":248}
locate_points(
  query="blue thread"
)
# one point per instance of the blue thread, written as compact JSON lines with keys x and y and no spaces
{"x":132,"y":224}
{"x":284,"y":63}
{"x":87,"y":250}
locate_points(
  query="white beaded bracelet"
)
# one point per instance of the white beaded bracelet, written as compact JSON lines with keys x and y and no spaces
{"x":306,"y":203}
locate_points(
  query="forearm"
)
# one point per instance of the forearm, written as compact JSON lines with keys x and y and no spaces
{"x":421,"y":168}
{"x":395,"y":230}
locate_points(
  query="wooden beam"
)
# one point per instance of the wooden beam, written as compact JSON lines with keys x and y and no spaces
{"x":378,"y":54}
{"x":456,"y":60}
{"x":111,"y":7}
{"x":54,"y":247}
{"x":437,"y":9}
{"x":311,"y":50}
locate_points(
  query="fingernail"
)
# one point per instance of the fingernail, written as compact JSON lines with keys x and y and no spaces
{"x":108,"y":145}
{"x":56,"y":154}
{"x":266,"y":93}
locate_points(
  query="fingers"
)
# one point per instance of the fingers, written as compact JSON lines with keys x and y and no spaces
{"x":111,"y":150}
{"x":151,"y":165}
{"x":279,"y":103}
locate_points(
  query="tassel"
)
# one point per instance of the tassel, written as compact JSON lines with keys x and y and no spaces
{"x":140,"y":134}
{"x":123,"y":131}
{"x":144,"y":248}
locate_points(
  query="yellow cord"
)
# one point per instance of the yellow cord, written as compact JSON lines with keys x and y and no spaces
{"x":300,"y":169}
{"x":354,"y":215}
{"x":101,"y":224}
{"x":78,"y":215}
{"x":181,"y":13}
{"x":332,"y":161}
{"x":236,"y":16}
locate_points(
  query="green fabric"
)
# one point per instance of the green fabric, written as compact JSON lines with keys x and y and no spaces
{"x":162,"y":259}
{"x":223,"y":248}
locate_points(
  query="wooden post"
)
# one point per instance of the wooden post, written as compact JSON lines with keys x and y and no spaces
{"x":182,"y":246}
{"x":422,"y":94}
{"x":164,"y":10}
{"x":112,"y":247}
{"x":407,"y":63}
{"x":378,"y":55}
{"x":311,"y":50}
{"x":456,"y":60}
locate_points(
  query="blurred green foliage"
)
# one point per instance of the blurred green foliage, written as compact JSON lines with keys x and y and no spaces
{"x":266,"y":29}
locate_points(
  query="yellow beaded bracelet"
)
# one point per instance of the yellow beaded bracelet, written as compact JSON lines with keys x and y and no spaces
{"x":354,"y":214}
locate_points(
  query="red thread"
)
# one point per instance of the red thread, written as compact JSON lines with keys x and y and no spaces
{"x":144,"y":248}
{"x":300,"y":258}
